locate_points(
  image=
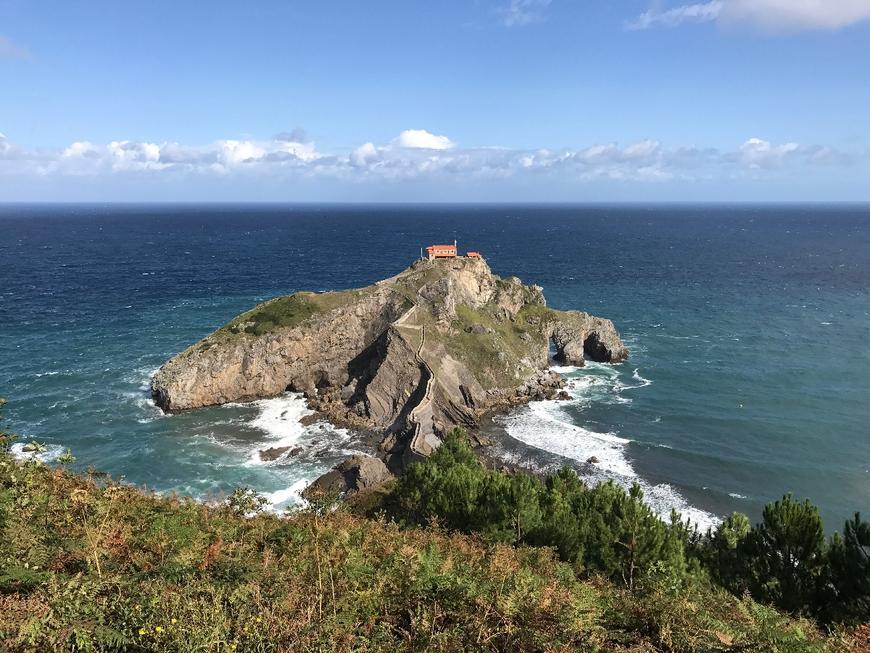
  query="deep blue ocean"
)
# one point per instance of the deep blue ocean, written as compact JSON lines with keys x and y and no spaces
{"x":749,"y":330}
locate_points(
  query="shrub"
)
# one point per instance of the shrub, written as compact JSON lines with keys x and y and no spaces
{"x":603,"y":529}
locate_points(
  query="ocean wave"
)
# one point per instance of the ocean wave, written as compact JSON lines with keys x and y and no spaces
{"x":280,"y":420}
{"x":142,"y":397}
{"x":289,"y":497}
{"x":51,"y":454}
{"x":547,"y":426}
{"x":643,"y":381}
{"x":39,"y":375}
{"x":597,"y":382}
{"x":541,"y":426}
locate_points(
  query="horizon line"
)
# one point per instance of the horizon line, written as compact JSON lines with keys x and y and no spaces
{"x":388,"y":203}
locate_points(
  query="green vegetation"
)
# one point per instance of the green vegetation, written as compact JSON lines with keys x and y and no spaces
{"x":288,"y":311}
{"x":87,"y":564}
{"x":784,"y":561}
{"x":493,"y":349}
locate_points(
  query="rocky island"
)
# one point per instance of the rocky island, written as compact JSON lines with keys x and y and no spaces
{"x":439,"y":345}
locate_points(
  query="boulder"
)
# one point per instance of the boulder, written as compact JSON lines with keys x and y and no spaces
{"x":480,"y":440}
{"x":353,"y":475}
{"x":273,"y":453}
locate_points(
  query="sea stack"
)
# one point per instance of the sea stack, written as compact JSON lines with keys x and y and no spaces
{"x":434,"y":347}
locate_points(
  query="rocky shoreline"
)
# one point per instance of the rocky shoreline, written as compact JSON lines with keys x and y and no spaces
{"x":443,"y":344}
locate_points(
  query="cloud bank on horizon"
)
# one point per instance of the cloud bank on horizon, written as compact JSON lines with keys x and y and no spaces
{"x":417,"y":154}
{"x":769,"y":15}
{"x":519,"y":99}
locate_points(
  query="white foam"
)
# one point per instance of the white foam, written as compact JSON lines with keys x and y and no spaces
{"x":280,"y":420}
{"x":545,"y":425}
{"x":619,"y":386}
{"x":280,"y":500}
{"x":539,"y":424}
{"x":663,"y":498}
{"x":280,"y":417}
{"x":52,"y":452}
{"x":143,"y":398}
{"x":637,"y":377}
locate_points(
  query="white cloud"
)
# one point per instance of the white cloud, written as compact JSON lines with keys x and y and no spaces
{"x":131,"y":155}
{"x":421,"y":139}
{"x":703,"y":12}
{"x":523,"y":12}
{"x":771,"y":15}
{"x":418,"y":155}
{"x":8,"y":50}
{"x":642,"y":149}
{"x":81,"y":149}
{"x":758,"y":153}
{"x":797,"y":14}
{"x":364,"y":155}
{"x":233,"y":153}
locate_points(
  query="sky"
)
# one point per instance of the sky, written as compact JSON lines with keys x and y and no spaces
{"x":455,"y":100}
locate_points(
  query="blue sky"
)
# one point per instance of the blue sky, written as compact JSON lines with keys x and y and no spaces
{"x":456,"y":100}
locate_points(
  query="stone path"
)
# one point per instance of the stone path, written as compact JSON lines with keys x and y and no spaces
{"x":423,"y":440}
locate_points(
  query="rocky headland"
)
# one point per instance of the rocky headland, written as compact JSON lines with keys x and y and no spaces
{"x":440,"y":345}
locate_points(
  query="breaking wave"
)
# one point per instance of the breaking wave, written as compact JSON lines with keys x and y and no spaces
{"x":548,"y":426}
{"x":280,"y":419}
{"x":51,"y":453}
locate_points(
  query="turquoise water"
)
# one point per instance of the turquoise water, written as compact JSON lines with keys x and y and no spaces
{"x":748,"y":327}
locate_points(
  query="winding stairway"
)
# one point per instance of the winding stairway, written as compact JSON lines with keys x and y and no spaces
{"x":423,"y":441}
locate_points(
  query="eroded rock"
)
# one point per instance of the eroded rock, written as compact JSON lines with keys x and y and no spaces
{"x":435,"y":347}
{"x":353,"y":475}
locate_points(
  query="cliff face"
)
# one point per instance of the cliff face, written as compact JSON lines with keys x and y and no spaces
{"x":436,"y":346}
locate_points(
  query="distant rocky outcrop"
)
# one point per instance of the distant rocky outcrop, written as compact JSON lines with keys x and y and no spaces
{"x":437,"y":346}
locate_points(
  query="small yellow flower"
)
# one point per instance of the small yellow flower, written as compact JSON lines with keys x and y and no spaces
{"x":174,"y":620}
{"x":159,"y":629}
{"x":141,"y":631}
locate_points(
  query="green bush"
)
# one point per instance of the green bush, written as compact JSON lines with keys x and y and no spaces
{"x":603,"y":529}
{"x":846,"y":595}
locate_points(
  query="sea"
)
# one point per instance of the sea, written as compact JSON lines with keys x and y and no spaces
{"x":748,"y":326}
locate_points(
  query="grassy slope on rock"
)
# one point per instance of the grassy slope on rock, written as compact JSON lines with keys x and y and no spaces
{"x":499,"y":356}
{"x":288,"y":311}
{"x":86,"y":564}
{"x":493,"y":356}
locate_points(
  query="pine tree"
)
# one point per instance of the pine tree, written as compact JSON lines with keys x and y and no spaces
{"x":725,"y":548}
{"x":786,"y":553}
{"x":849,"y":574}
